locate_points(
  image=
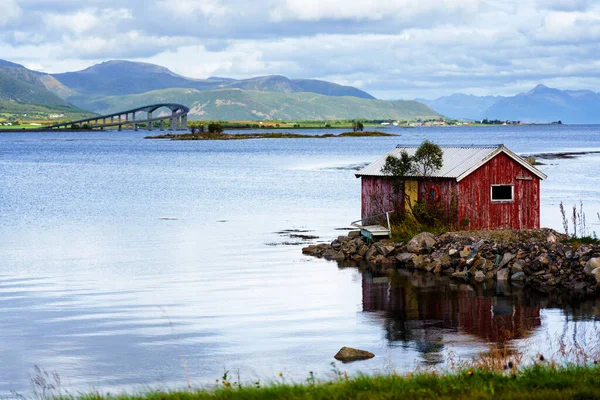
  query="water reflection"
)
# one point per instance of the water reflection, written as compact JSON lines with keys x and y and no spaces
{"x":421,"y":308}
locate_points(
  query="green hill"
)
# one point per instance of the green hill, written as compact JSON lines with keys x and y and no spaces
{"x":117,"y":77}
{"x":236,"y":104}
{"x":19,"y":86}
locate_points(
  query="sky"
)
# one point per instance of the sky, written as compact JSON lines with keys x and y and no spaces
{"x":394,"y":49}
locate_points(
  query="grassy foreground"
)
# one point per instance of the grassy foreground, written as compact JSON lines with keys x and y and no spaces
{"x":536,"y":382}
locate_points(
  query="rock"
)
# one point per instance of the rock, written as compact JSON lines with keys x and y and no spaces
{"x":506,"y":259}
{"x":421,"y":262}
{"x":329,"y":254}
{"x":551,"y":238}
{"x":340,"y":256}
{"x":452,"y":252}
{"x":465,"y":252}
{"x":479,"y":276}
{"x":371,"y":253}
{"x":363,"y":250}
{"x":502,"y":275}
{"x":405,"y":257}
{"x":459,"y":274}
{"x":354,"y":234}
{"x":347,"y":354}
{"x":385,"y":250}
{"x":519,"y":276}
{"x":596,"y":274}
{"x":517,"y":266}
{"x":591,"y":265}
{"x":421,"y":243}
{"x":312,"y":249}
{"x":580,"y":287}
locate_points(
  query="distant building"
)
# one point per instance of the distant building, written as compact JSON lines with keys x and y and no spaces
{"x":484,"y":187}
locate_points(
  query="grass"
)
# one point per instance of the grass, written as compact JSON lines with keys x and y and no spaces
{"x":535,"y":382}
{"x":273,"y":135}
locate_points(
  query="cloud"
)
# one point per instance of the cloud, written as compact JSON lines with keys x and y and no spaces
{"x":9,"y":10}
{"x":392,"y":48}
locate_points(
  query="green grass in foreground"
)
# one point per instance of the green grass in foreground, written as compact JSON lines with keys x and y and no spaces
{"x":536,"y":382}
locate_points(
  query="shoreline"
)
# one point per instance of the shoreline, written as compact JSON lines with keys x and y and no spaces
{"x":269,"y":135}
{"x":539,"y":259}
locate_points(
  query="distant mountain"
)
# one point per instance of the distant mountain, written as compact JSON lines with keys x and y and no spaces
{"x":543,"y":104}
{"x":21,"y":85}
{"x":237,"y":104}
{"x":540,"y":105}
{"x":460,"y":105}
{"x":114,"y":78}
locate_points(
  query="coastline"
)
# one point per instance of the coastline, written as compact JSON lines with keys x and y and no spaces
{"x":539,"y":259}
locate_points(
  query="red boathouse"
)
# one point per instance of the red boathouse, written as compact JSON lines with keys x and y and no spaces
{"x":489,"y":187}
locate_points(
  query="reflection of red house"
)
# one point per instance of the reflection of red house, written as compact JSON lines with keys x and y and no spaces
{"x":491,"y":318}
{"x":486,"y":186}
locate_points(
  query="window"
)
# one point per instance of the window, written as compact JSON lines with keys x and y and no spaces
{"x":502,"y":193}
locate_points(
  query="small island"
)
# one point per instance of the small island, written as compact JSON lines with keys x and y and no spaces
{"x":270,"y":135}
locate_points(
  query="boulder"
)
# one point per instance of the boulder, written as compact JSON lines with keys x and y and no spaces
{"x":329,"y":254}
{"x":591,"y":265}
{"x":519,"y":276}
{"x":452,"y":252}
{"x":363,"y":250}
{"x":371,"y":253}
{"x":385,"y":250}
{"x":502,"y":275}
{"x":421,"y":243}
{"x":479,"y":276}
{"x":347,"y":354}
{"x":339,"y":256}
{"x":405,"y":257}
{"x":354,"y":234}
{"x":596,"y":274}
{"x":459,"y":274}
{"x":517,"y":266}
{"x":506,"y":259}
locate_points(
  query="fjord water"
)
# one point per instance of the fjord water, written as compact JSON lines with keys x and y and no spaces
{"x":126,"y":262}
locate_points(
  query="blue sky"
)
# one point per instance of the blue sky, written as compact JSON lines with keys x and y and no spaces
{"x":392,"y":49}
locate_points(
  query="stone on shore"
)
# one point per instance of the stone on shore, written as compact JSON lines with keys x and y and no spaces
{"x":347,"y":354}
{"x":503,"y":275}
{"x":591,"y":265}
{"x":421,"y":243}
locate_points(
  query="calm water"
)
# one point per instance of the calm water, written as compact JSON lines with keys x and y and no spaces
{"x":121,"y":257}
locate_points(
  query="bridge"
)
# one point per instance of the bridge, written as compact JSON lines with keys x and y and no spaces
{"x":177,"y":118}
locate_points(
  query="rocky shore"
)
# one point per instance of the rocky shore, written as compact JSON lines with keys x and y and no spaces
{"x":540,"y":259}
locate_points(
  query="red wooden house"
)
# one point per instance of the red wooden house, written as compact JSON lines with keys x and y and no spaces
{"x":484,"y":187}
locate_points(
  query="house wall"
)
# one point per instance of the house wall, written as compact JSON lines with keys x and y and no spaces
{"x":475,"y":203}
{"x":448,"y":192}
{"x":378,"y":196}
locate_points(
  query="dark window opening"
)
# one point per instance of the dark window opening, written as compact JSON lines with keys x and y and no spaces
{"x":502,"y":193}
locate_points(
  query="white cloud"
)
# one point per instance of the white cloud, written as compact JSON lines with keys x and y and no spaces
{"x":392,"y":48}
{"x":314,"y":10}
{"x":9,"y":10}
{"x":87,"y":20}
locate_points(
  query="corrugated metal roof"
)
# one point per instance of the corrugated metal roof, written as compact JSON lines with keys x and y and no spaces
{"x":458,"y":161}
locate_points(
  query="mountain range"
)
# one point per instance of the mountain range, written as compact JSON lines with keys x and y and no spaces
{"x":115,"y":85}
{"x":542,"y":104}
